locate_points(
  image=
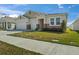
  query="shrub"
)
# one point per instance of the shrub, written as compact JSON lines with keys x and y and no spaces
{"x":52,"y":29}
{"x":63,"y":26}
{"x":36,"y":29}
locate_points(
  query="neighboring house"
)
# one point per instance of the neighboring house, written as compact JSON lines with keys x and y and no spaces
{"x":33,"y":20}
{"x":10,"y":23}
{"x":75,"y":25}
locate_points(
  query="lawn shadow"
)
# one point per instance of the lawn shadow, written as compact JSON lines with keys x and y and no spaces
{"x":77,"y":31}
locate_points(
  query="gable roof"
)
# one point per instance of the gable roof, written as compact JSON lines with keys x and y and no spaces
{"x":13,"y":18}
{"x":21,"y":17}
{"x":33,"y":14}
{"x":77,"y":19}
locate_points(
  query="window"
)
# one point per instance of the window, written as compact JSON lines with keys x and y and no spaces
{"x":57,"y":21}
{"x":52,"y":21}
{"x":28,"y":26}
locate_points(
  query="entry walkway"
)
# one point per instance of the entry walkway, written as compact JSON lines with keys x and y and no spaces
{"x":38,"y":46}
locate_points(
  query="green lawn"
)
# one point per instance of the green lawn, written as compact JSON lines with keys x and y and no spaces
{"x":68,"y":38}
{"x":7,"y":49}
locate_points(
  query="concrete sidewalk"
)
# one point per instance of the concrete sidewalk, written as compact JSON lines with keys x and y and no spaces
{"x":39,"y":46}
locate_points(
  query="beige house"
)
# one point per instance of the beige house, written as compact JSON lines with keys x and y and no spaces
{"x":33,"y":20}
{"x":75,"y":25}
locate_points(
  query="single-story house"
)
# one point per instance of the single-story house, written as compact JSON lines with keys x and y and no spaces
{"x":75,"y":25}
{"x":33,"y":20}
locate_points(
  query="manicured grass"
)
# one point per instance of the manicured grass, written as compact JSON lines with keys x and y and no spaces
{"x":69,"y":38}
{"x":7,"y":49}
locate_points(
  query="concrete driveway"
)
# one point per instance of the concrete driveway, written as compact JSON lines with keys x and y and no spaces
{"x":38,"y":46}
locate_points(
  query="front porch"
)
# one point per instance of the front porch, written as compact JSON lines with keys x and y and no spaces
{"x":7,"y":25}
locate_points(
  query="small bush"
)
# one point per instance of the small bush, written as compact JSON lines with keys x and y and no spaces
{"x":70,"y":29}
{"x":63,"y":26}
{"x":36,"y":29}
{"x":52,"y":29}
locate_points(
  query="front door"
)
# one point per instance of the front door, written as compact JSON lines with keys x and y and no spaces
{"x":41,"y":24}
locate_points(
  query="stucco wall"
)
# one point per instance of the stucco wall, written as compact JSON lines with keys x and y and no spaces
{"x":21,"y":24}
{"x":62,"y":17}
{"x":33,"y":23}
{"x":7,"y":19}
{"x":47,"y":20}
{"x":76,"y":25}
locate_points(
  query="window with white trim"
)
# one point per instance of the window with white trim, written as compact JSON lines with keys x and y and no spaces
{"x":57,"y":21}
{"x":52,"y":21}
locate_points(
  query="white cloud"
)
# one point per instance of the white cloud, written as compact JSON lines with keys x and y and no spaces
{"x":60,"y":6}
{"x":71,"y":6}
{"x":14,"y":15}
{"x":9,"y":11}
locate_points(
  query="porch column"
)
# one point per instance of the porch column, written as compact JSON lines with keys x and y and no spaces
{"x":3,"y":24}
{"x":54,"y":21}
{"x":6,"y":25}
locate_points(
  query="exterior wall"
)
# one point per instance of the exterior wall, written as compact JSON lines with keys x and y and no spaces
{"x":7,"y":19}
{"x":47,"y":20}
{"x":33,"y":23}
{"x":46,"y":17}
{"x":21,"y":24}
{"x":76,"y":25}
{"x":62,"y":17}
{"x":4,"y":23}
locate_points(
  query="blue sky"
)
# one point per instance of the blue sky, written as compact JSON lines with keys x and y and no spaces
{"x":19,"y":9}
